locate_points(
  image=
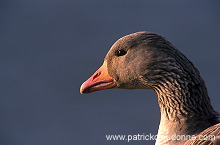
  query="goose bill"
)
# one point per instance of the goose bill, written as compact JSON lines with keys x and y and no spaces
{"x":100,"y":80}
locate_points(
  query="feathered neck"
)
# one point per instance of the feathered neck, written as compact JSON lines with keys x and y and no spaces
{"x":184,"y":105}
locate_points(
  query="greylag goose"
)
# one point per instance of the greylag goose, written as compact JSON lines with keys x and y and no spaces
{"x":145,"y":60}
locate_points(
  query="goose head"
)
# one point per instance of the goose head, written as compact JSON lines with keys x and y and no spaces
{"x":141,"y":60}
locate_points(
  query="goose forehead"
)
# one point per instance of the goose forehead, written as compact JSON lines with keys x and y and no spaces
{"x":131,"y":38}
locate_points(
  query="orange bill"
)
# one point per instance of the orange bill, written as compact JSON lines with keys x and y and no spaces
{"x":100,"y":80}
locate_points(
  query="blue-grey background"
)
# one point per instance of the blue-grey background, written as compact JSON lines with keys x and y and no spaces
{"x":49,"y":47}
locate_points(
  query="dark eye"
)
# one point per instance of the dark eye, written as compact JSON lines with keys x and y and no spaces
{"x":120,"y":52}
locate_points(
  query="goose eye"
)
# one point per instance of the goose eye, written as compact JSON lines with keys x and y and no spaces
{"x":120,"y":52}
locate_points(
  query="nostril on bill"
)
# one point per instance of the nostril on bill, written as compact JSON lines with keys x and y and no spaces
{"x":96,"y":75}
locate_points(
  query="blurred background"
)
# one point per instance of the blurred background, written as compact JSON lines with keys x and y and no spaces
{"x":48,"y":48}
